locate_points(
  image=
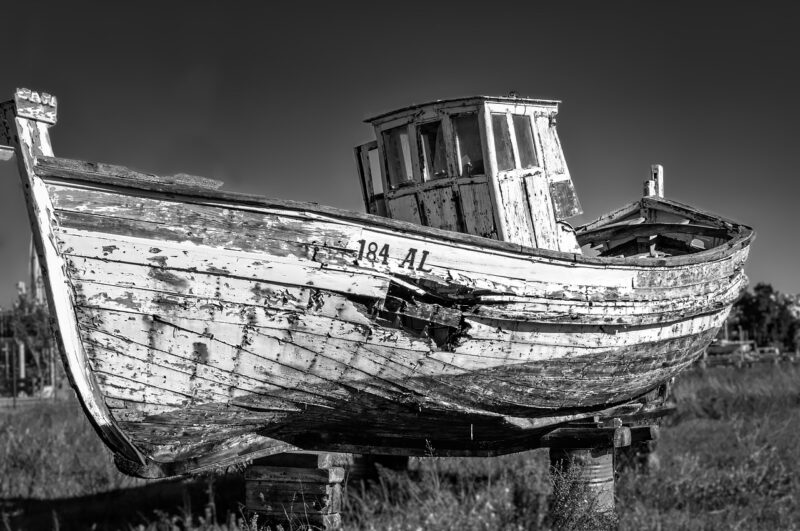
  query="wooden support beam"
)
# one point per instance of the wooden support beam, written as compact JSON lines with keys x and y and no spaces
{"x":579,"y":437}
{"x":657,"y":176}
{"x":300,"y":489}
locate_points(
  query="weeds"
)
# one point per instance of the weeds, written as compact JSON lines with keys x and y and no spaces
{"x":729,"y":461}
{"x":50,"y":451}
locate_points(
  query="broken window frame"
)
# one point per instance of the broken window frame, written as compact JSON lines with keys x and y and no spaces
{"x":441,"y":141}
{"x":510,"y":111}
{"x":459,"y":168}
{"x":408,"y":160}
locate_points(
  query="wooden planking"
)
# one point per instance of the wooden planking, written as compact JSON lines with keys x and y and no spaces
{"x":302,"y":328}
{"x":607,"y":312}
{"x":562,"y":191}
{"x":220,"y":262}
{"x":625,"y":212}
{"x":544,"y":346}
{"x":632,"y":231}
{"x":103,"y":170}
{"x":476,"y":207}
{"x":567,"y":242}
{"x":116,"y":386}
{"x":541,"y":208}
{"x":503,"y":331}
{"x":335,"y":277}
{"x":250,"y":291}
{"x":664,"y":279}
{"x":304,"y":474}
{"x":686,"y":211}
{"x":172,"y":278}
{"x":325,"y":320}
{"x":272,"y":362}
{"x":405,"y":208}
{"x":308,"y":367}
{"x":279,"y":347}
{"x":204,"y":378}
{"x":124,"y":299}
{"x":565,"y":200}
{"x":604,"y":377}
{"x":282,"y":225}
{"x":439,"y":205}
{"x":53,"y":168}
{"x":551,"y":148}
{"x":516,"y":212}
{"x":483,"y":348}
{"x":455,"y":257}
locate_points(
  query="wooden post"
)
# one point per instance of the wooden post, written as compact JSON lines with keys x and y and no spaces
{"x":14,"y":380}
{"x":305,"y":488}
{"x":297,"y":489}
{"x":657,"y":176}
{"x":21,"y":350}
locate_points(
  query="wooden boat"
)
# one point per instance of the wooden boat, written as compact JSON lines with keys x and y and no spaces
{"x":201,"y":327}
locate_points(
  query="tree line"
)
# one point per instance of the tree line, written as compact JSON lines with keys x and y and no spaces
{"x":766,"y":316}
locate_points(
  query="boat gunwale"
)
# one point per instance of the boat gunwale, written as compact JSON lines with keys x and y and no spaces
{"x":71,"y":170}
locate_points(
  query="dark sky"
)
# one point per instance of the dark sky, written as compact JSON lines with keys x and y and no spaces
{"x":271,"y":99}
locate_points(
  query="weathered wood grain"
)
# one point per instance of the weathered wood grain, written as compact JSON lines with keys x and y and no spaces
{"x":477,"y":210}
{"x":203,"y":327}
{"x":543,"y":218}
{"x":276,"y":344}
{"x":49,"y":166}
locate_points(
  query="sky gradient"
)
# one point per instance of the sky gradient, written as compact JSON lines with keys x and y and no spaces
{"x":271,"y":99}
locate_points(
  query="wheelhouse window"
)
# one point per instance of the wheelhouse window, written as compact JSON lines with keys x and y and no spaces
{"x":432,"y":151}
{"x":523,"y":131}
{"x":503,"y":148}
{"x":398,"y":156}
{"x":469,"y":152}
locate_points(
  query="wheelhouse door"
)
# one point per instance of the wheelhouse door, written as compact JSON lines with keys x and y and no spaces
{"x":525,"y":204}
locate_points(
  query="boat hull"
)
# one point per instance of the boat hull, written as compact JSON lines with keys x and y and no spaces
{"x":200,"y":328}
{"x":216,"y":328}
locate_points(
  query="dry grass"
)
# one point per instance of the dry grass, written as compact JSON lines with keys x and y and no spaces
{"x":729,"y":458}
{"x":51,"y":451}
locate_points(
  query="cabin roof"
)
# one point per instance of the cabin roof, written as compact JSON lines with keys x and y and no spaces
{"x":465,"y":100}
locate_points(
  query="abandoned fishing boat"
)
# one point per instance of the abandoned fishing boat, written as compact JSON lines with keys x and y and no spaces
{"x":201,"y":327}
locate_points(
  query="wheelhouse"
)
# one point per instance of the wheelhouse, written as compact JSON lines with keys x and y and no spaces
{"x":488,"y":166}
